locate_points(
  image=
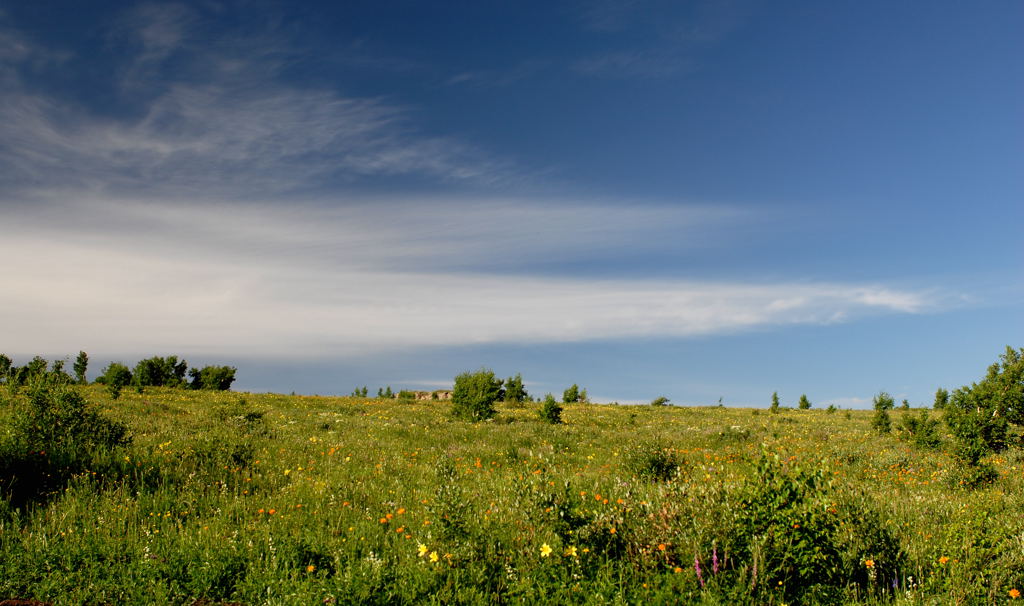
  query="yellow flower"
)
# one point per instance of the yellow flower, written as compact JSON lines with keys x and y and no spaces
{"x":310,"y":568}
{"x":433,"y":556}
{"x":570,"y":551}
{"x":943,"y":560}
{"x":869,"y":563}
{"x":545,"y":550}
{"x":422,"y":550}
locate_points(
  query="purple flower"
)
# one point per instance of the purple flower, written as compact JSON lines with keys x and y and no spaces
{"x":714,"y":559}
{"x":696,"y":566}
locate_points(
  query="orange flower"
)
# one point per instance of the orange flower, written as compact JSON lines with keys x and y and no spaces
{"x":661,"y":547}
{"x":869,"y":563}
{"x":310,"y":568}
{"x":1015,"y":593}
{"x":943,"y":560}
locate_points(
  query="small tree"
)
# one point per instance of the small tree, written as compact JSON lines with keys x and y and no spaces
{"x":474,"y":395}
{"x":775,"y":403}
{"x":660,"y":401}
{"x":905,"y":405}
{"x":883,"y":403}
{"x":81,"y":365}
{"x":550,"y":411}
{"x":941,"y":399}
{"x":115,"y":376}
{"x":804,"y":403}
{"x":217,"y":378}
{"x":571,"y":395}
{"x":514,"y":390}
{"x":5,"y":367}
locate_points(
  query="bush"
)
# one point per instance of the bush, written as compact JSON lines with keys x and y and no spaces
{"x":514,"y":390}
{"x":774,"y":408}
{"x":550,"y":411}
{"x":218,"y":378}
{"x":160,"y":372}
{"x":984,"y":410}
{"x":660,"y":401}
{"x":941,"y":399}
{"x":804,"y":403}
{"x":474,"y":395}
{"x":571,"y":395}
{"x":652,"y":461}
{"x":115,"y":376}
{"x":923,"y":431}
{"x":881,"y":422}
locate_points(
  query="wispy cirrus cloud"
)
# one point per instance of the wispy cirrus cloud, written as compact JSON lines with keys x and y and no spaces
{"x":269,"y":281}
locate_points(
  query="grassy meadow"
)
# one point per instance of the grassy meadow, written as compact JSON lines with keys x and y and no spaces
{"x":242,"y":498}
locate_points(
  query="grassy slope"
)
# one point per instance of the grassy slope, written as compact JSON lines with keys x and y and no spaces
{"x":311,"y":500}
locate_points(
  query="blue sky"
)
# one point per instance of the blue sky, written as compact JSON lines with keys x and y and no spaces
{"x":700,"y":200}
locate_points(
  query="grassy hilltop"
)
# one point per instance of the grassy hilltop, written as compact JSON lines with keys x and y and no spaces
{"x":226,"y":497}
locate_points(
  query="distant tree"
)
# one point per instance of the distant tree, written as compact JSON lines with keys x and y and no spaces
{"x":660,"y":401}
{"x":216,"y":378}
{"x":474,"y":395}
{"x":160,"y":372}
{"x":550,"y":411}
{"x":359,"y":392}
{"x":405,"y":394}
{"x":883,"y":403}
{"x":115,"y":376}
{"x":775,"y":402}
{"x":831,"y":409}
{"x":905,"y":405}
{"x":514,"y":390}
{"x":5,"y":367}
{"x":804,"y":403}
{"x":923,"y":431}
{"x":81,"y":365}
{"x":571,"y":395}
{"x":584,"y":397}
{"x":36,"y":367}
{"x":941,"y":399}
{"x":388,"y":393}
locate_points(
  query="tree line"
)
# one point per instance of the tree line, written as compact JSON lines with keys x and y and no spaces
{"x":156,"y":371}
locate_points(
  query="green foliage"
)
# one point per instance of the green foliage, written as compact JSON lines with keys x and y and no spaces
{"x":652,"y":460}
{"x":216,"y":378}
{"x":881,"y":422}
{"x":923,"y":430}
{"x":774,"y":409}
{"x":81,"y":365}
{"x":359,"y":392}
{"x":474,"y":395}
{"x":406,"y":395}
{"x":660,"y":401}
{"x":385,"y":393}
{"x":160,"y":372}
{"x":804,"y":403}
{"x":984,"y":411}
{"x":5,"y":367}
{"x":941,"y":399}
{"x":550,"y":411}
{"x":571,"y":395}
{"x":514,"y":390}
{"x":115,"y":376}
{"x":804,"y":542}
{"x":831,"y":409}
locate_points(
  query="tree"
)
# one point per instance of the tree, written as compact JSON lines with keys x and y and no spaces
{"x":883,"y":403}
{"x":160,"y":372}
{"x":571,"y":395}
{"x":775,"y":402}
{"x":660,"y":401}
{"x":5,"y":366}
{"x":81,"y":365}
{"x":941,"y":399}
{"x":584,"y":397}
{"x":514,"y":390}
{"x":550,"y":411}
{"x":804,"y":403}
{"x":474,"y":395}
{"x":217,"y":378}
{"x":115,"y":376}
{"x":983,"y":412}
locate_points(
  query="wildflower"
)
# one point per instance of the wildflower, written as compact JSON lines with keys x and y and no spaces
{"x":422,"y":549}
{"x":661,"y":547}
{"x":677,"y":569}
{"x":433,"y":556}
{"x":869,"y":563}
{"x":714,"y":559}
{"x":1014,"y":593}
{"x":570,"y":551}
{"x":696,"y":567}
{"x":545,"y":550}
{"x":943,"y":560}
{"x":310,"y":568}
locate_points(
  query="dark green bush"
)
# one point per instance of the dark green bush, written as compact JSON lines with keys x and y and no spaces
{"x":571,"y":395}
{"x":923,"y":431}
{"x":160,"y":372}
{"x":651,"y":460}
{"x":550,"y":411}
{"x":217,"y":378}
{"x":660,"y":401}
{"x":514,"y":390}
{"x":883,"y":403}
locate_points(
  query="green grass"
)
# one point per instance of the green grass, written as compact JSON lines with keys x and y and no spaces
{"x":267,"y":499}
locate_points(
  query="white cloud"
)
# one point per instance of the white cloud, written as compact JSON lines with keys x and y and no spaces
{"x":136,"y":278}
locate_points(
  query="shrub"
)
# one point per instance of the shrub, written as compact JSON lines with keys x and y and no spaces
{"x":514,"y":390}
{"x":660,"y":401}
{"x":652,"y":461}
{"x":115,"y":376}
{"x":218,"y":378}
{"x":881,"y":422}
{"x":550,"y":411}
{"x":923,"y":431}
{"x":775,"y":403}
{"x":571,"y":395}
{"x":804,"y":403}
{"x":941,"y":399}
{"x":81,"y":365}
{"x":160,"y":372}
{"x":474,"y":395}
{"x":984,"y":410}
